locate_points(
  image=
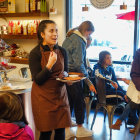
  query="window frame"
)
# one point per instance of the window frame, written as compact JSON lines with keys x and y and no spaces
{"x":136,"y":25}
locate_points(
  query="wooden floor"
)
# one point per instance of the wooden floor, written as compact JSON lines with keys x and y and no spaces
{"x":101,"y":130}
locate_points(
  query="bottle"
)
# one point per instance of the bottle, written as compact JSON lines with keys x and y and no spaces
{"x":14,"y":28}
{"x":9,"y":27}
{"x":35,"y":27}
{"x":19,"y":27}
{"x":12,"y":24}
{"x":45,"y":6}
{"x":42,"y":5}
{"x":11,"y":6}
{"x":33,"y":5}
{"x":27,"y":6}
{"x":29,"y":28}
{"x":38,"y":5}
{"x":24,"y":28}
{"x":32,"y":28}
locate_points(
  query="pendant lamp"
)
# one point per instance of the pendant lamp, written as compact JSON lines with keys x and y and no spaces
{"x":53,"y":10}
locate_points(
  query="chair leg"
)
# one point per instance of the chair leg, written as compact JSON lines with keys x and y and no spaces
{"x":88,"y":102}
{"x":96,"y":110}
{"x":137,"y":129}
{"x":104,"y":115}
{"x":110,"y":112}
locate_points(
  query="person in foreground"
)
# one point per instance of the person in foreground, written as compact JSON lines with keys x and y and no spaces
{"x":48,"y":61}
{"x":126,"y":112}
{"x":13,"y":124}
{"x":135,"y":77}
{"x":75,"y":45}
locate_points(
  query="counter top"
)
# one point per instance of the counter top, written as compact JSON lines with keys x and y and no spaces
{"x":27,"y":86}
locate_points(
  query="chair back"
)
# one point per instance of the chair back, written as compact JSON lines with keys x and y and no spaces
{"x":101,"y":91}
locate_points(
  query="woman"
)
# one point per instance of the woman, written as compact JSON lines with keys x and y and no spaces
{"x":135,"y":76}
{"x":75,"y":45}
{"x":103,"y":69}
{"x":47,"y":61}
{"x":13,"y":124}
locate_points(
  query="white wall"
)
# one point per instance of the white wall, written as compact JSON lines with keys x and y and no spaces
{"x":59,"y":19}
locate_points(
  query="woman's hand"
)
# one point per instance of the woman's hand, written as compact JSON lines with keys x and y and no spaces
{"x":69,"y":83}
{"x":92,"y":88}
{"x":114,"y":84}
{"x":126,"y":98}
{"x":63,"y":74}
{"x":52,"y":60}
{"x":126,"y":81}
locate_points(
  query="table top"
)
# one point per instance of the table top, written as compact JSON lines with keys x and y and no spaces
{"x":27,"y":87}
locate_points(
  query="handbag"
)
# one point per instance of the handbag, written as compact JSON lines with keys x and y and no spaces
{"x":133,"y":93}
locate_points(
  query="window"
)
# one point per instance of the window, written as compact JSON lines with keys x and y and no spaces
{"x":112,"y":34}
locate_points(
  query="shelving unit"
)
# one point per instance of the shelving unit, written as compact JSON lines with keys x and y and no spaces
{"x":31,"y":14}
{"x":20,"y":36}
{"x":18,"y":60}
{"x":8,"y":36}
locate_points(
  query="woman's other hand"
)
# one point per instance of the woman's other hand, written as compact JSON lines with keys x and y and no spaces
{"x":126,"y":81}
{"x":114,"y":84}
{"x":92,"y":88}
{"x":52,"y":60}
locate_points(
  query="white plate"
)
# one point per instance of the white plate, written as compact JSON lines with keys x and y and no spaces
{"x":14,"y":88}
{"x":71,"y":81}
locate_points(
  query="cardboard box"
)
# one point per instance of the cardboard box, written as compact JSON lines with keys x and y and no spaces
{"x":3,"y":6}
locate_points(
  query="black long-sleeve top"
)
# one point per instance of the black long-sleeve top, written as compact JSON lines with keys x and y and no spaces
{"x":40,"y":75}
{"x":135,"y":70}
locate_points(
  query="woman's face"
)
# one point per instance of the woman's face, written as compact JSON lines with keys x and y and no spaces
{"x":50,"y":35}
{"x":108,"y":60}
{"x":87,"y":34}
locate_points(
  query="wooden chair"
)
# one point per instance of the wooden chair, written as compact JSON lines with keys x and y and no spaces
{"x":101,"y":102}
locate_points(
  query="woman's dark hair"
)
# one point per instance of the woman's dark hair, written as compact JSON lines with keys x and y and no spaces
{"x":102,"y":56}
{"x":11,"y":107}
{"x":41,"y":28}
{"x":83,"y":27}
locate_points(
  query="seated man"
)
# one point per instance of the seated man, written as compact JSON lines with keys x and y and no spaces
{"x":103,"y":69}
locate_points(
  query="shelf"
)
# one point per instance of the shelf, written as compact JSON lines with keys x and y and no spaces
{"x":31,"y":14}
{"x":19,"y":36}
{"x":18,"y":60}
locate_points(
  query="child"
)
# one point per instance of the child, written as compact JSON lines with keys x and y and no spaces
{"x":13,"y":124}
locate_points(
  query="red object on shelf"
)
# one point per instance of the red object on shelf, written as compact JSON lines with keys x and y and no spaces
{"x":127,"y":16}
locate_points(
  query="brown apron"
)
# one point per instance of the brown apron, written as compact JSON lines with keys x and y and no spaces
{"x":49,"y":101}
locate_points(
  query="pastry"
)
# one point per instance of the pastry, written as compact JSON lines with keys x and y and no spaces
{"x":72,"y":78}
